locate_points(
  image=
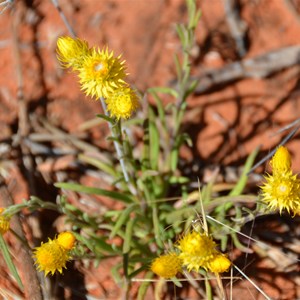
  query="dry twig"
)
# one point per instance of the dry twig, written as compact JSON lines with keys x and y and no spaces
{"x":236,"y":25}
{"x":258,"y":67}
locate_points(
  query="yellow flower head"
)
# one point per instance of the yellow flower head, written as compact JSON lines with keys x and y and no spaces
{"x":70,"y":52}
{"x":281,"y":161}
{"x":66,"y":240}
{"x":196,"y":250}
{"x":281,"y":191}
{"x":51,"y":257}
{"x":219,"y":264}
{"x":122,"y":103}
{"x":101,"y":73}
{"x":4,"y":222}
{"x":166,"y":266}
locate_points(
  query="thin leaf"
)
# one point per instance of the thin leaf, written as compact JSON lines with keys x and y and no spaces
{"x":165,"y":90}
{"x":5,"y":251}
{"x":125,"y":264}
{"x":176,"y":282}
{"x":116,"y":274}
{"x":178,"y":68}
{"x":160,"y":107}
{"x":92,"y":190}
{"x":95,"y":244}
{"x":238,"y":189}
{"x":144,"y":286}
{"x":123,"y":218}
{"x":144,"y":267}
{"x":191,"y":88}
{"x":156,"y":225}
{"x":128,"y":235}
{"x":106,"y":118}
{"x":154,"y":140}
{"x":105,"y":167}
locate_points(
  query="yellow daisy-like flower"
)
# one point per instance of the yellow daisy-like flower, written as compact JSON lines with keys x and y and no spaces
{"x":167,"y":266}
{"x":281,"y":161}
{"x":122,"y":103}
{"x":101,"y":73}
{"x":51,"y":257}
{"x":281,"y":191}
{"x":4,"y":222}
{"x":70,"y":52}
{"x":66,"y":240}
{"x":219,"y":264}
{"x":197,"y":250}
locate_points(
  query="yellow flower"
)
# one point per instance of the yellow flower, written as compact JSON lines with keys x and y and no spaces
{"x":101,"y":73}
{"x":66,"y":240}
{"x":197,"y":250}
{"x":51,"y":257}
{"x":70,"y":52}
{"x":166,"y":266}
{"x":281,"y":161}
{"x":122,"y":103}
{"x":219,"y":264}
{"x":4,"y":222}
{"x":281,"y":191}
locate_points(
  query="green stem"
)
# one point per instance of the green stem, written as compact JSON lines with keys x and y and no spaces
{"x":116,"y":134}
{"x":208,"y":290}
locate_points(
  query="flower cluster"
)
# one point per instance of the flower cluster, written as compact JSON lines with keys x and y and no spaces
{"x":167,"y":266}
{"x":281,"y":191}
{"x":53,"y":255}
{"x":101,"y":74}
{"x":197,"y":250}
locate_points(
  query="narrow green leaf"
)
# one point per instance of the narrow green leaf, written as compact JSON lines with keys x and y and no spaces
{"x":181,"y":31}
{"x":116,"y":274}
{"x":114,"y":139}
{"x":160,"y":107}
{"x":106,"y":118}
{"x":239,"y":187}
{"x":154,"y":140}
{"x":5,"y":251}
{"x":144,"y":286}
{"x":165,"y":90}
{"x":125,"y":264}
{"x":180,"y":214}
{"x":144,"y":267}
{"x":180,"y":139}
{"x":178,"y":68}
{"x":128,"y":235}
{"x":156,"y":226}
{"x":176,"y":282}
{"x":105,"y":167}
{"x":145,"y":161}
{"x":92,"y":190}
{"x":191,"y":88}
{"x":123,"y":218}
{"x":95,"y":244}
{"x":174,"y":159}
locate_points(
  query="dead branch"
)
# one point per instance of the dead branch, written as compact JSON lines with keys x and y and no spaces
{"x":236,"y":25}
{"x":258,"y":67}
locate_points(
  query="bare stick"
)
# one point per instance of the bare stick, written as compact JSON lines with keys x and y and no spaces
{"x":64,"y":18}
{"x":257,"y":67}
{"x":236,"y":25}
